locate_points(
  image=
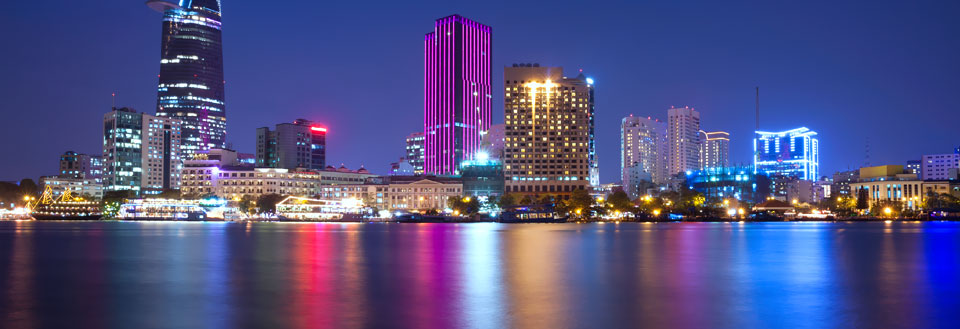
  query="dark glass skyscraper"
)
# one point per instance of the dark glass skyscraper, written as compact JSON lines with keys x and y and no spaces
{"x":191,"y":71}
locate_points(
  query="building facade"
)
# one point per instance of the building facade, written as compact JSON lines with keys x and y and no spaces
{"x":191,"y":84}
{"x":937,"y":166}
{"x":78,"y":186}
{"x":891,"y":183}
{"x":405,"y":193}
{"x":792,"y":153}
{"x":548,"y":131}
{"x":235,"y":182}
{"x":415,"y":152}
{"x":141,"y":152}
{"x":683,"y":140}
{"x":643,"y":145}
{"x":714,"y":149}
{"x":78,"y":165}
{"x":482,"y":178}
{"x":457,"y":92}
{"x":300,"y":144}
{"x":740,"y":183}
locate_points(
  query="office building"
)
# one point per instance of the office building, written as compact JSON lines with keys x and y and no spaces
{"x":299,"y":144}
{"x":141,"y":152}
{"x":457,"y":92}
{"x":791,"y":153}
{"x":937,"y":166}
{"x":683,"y":140}
{"x":191,"y":80}
{"x":482,"y":178}
{"x":643,"y":145}
{"x":714,"y":149}
{"x":548,"y":130}
{"x":78,"y":165}
{"x":415,"y":152}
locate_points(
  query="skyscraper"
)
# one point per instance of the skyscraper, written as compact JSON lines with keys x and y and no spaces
{"x":415,"y":152}
{"x":643,"y":144}
{"x":548,"y":147}
{"x":300,"y":144}
{"x":191,"y":71}
{"x":457,"y":92}
{"x":141,"y":152}
{"x":714,"y":149}
{"x":683,"y":140}
{"x":791,"y":153}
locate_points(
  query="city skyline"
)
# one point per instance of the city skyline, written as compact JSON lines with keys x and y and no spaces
{"x":780,"y":103}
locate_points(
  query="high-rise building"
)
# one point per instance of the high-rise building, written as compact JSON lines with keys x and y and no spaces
{"x":191,"y":71}
{"x":79,"y":165}
{"x":457,"y":92}
{"x":683,"y":140}
{"x":791,"y":153}
{"x":937,"y":166}
{"x":415,"y":152}
{"x":548,"y":130}
{"x":141,"y":152}
{"x":643,"y":143}
{"x":300,"y":144}
{"x":714,"y":149}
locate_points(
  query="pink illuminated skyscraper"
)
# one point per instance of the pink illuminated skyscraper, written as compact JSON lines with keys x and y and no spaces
{"x":456,"y":92}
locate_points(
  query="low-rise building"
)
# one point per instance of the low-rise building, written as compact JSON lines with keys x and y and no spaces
{"x":399,"y":192}
{"x":85,"y":187}
{"x":234,"y":182}
{"x":893,"y":183}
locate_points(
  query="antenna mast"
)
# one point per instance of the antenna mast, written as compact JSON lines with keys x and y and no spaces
{"x":758,"y":109}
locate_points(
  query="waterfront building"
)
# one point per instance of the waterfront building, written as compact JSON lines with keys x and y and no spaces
{"x":739,"y":183}
{"x":683,"y":140}
{"x":298,"y":144}
{"x":457,"y":92}
{"x":482,"y":178}
{"x":236,"y":182}
{"x":891,"y":183}
{"x":407,"y":193}
{"x":915,"y":167}
{"x":792,"y":153}
{"x":714,"y":149}
{"x":643,"y":151}
{"x":78,"y":186}
{"x":415,"y":152}
{"x":938,"y":166}
{"x":191,"y":80}
{"x":141,"y":152}
{"x":549,"y":133}
{"x":78,"y":165}
{"x":344,"y":175}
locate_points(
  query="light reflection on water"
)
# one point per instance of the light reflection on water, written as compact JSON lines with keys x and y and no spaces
{"x":308,"y":275}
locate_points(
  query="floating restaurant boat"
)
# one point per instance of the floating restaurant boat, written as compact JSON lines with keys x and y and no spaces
{"x":305,"y":209}
{"x":532,"y":214}
{"x":66,"y":207}
{"x":162,"y":209}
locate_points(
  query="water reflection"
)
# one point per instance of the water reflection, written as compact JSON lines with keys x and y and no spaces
{"x":308,"y":275}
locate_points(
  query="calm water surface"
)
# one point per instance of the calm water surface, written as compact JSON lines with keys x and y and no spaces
{"x":316,"y":275}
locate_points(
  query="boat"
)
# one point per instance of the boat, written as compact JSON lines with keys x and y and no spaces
{"x":532,"y":214}
{"x":163,"y":209}
{"x":65,"y":207}
{"x":300,"y":209}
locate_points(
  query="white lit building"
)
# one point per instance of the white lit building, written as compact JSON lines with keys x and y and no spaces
{"x":683,"y":140}
{"x":643,"y":144}
{"x":714,"y":149}
{"x":937,"y":166}
{"x":399,"y":192}
{"x":791,"y":153}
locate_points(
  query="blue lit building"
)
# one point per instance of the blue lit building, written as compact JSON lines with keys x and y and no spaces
{"x":739,"y":183}
{"x":482,"y":177}
{"x":791,"y":153}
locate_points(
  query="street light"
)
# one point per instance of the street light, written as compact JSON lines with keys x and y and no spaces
{"x":887,"y":211}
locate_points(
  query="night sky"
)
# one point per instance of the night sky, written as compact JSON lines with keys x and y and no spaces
{"x":883,"y":71}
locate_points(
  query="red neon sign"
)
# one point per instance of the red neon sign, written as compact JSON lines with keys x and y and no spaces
{"x":320,"y":129}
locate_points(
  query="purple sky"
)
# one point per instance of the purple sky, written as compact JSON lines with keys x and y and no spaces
{"x":887,"y":70}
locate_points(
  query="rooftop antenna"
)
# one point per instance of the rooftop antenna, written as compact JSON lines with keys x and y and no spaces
{"x":866,"y":158}
{"x":114,"y":94}
{"x":758,"y":109}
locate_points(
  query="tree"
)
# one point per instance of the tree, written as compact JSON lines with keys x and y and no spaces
{"x":507,"y":200}
{"x":29,"y":187}
{"x":268,"y":202}
{"x":887,"y":208}
{"x":620,"y":201}
{"x":466,"y":206}
{"x":246,"y":203}
{"x":862,"y":197}
{"x":580,"y":200}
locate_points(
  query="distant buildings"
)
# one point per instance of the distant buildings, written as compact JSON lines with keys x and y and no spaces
{"x":548,"y":130}
{"x":842,"y":181}
{"x":78,"y":186}
{"x":740,"y":183}
{"x":893,"y":183}
{"x":791,"y":153}
{"x":915,"y":167}
{"x":78,"y":165}
{"x":457,"y":92}
{"x":938,"y":166}
{"x":300,"y":144}
{"x":683,"y":140}
{"x":415,"y":152}
{"x":191,"y":71}
{"x":141,"y":152}
{"x":714,"y":149}
{"x":399,"y":192}
{"x":643,"y":152}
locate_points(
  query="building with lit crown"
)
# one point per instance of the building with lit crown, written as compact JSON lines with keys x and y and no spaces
{"x":457,"y":92}
{"x":298,"y":144}
{"x":191,"y":85}
{"x":548,"y":138}
{"x":791,"y":153}
{"x":141,"y":152}
{"x":714,"y":149}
